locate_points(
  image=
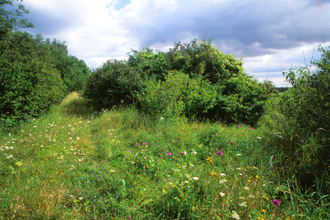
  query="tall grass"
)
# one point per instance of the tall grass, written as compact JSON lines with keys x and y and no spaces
{"x":74,"y":163}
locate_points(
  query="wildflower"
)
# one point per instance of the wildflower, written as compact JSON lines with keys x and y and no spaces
{"x":129,"y":150}
{"x":183,"y":152}
{"x":168,"y":154}
{"x":138,"y":144}
{"x":252,"y":128}
{"x":238,"y":154}
{"x":276,"y":202}
{"x":222,"y":174}
{"x":133,"y":162}
{"x":238,"y":126}
{"x":246,"y":188}
{"x":209,"y":160}
{"x":196,"y":128}
{"x":195,"y":178}
{"x":252,"y":196}
{"x":263,"y":210}
{"x":222,"y":194}
{"x":235,"y":215}
{"x":257,"y":176}
{"x":220,"y":153}
{"x":161,"y":118}
{"x":243,"y":204}
{"x":223,"y":181}
{"x":194,"y":152}
{"x":259,"y":138}
{"x":80,"y":198}
{"x":214,"y":175}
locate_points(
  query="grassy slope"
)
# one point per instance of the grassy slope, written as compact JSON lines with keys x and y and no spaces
{"x":77,"y":164}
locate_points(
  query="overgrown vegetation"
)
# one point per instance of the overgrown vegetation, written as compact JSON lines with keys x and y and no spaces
{"x":185,"y":134}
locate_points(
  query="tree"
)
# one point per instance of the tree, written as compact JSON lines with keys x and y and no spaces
{"x":8,"y":20}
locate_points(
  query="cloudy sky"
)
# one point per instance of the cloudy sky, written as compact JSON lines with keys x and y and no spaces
{"x":271,"y":34}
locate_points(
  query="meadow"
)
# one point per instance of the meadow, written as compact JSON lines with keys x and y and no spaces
{"x":77,"y":163}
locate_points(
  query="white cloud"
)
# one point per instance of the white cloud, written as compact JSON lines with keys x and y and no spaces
{"x":271,"y":35}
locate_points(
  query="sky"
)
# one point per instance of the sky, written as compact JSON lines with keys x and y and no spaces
{"x":270,"y":35}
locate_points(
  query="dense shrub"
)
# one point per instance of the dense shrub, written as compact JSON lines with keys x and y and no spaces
{"x":29,"y":83}
{"x":74,"y":72}
{"x":177,"y":95}
{"x":300,"y":119}
{"x":115,"y":83}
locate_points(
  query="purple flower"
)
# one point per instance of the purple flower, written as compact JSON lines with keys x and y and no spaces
{"x":132,"y":139}
{"x":142,"y":137}
{"x":238,"y":126}
{"x":182,"y":153}
{"x":168,"y":154}
{"x":252,"y":128}
{"x":138,"y":144}
{"x":220,"y":153}
{"x":196,"y":128}
{"x":129,"y":150}
{"x":276,"y":202}
{"x":145,"y":143}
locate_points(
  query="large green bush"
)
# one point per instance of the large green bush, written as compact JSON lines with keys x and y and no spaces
{"x":29,"y":83}
{"x":115,"y":83}
{"x":300,"y":120}
{"x":177,"y":95}
{"x":74,"y":72}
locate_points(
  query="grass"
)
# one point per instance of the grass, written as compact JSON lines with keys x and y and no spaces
{"x":74,"y":163}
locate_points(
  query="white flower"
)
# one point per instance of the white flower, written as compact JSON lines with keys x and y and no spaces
{"x":9,"y":156}
{"x":80,"y":198}
{"x":252,"y":196}
{"x":161,"y":118}
{"x":194,"y":152}
{"x":235,"y":215}
{"x":260,"y":137}
{"x":238,"y":154}
{"x":243,"y":204}
{"x":222,"y":194}
{"x":246,"y":188}
{"x":222,"y":174}
{"x":223,"y":181}
{"x":195,"y":178}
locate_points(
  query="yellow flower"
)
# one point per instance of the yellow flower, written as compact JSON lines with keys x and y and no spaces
{"x":263,"y":210}
{"x":249,"y":180}
{"x":257,"y":176}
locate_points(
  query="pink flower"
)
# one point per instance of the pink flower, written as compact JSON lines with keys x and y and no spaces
{"x":238,"y":126}
{"x":252,"y":128}
{"x":276,"y":202}
{"x":145,"y":143}
{"x":129,"y":150}
{"x":138,"y":144}
{"x":182,"y":153}
{"x":220,"y":153}
{"x":196,"y":128}
{"x":168,"y":154}
{"x":130,"y":218}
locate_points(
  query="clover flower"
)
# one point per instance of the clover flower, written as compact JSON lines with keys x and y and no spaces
{"x":138,"y":144}
{"x":220,"y":153}
{"x":238,"y":126}
{"x":168,"y":154}
{"x":276,"y":202}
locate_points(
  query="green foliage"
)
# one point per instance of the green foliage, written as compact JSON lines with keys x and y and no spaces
{"x":177,"y":95}
{"x":241,"y":100}
{"x":8,"y":20}
{"x":115,"y":83}
{"x":74,"y":72}
{"x":154,"y":65}
{"x":299,"y":118}
{"x":29,"y":83}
